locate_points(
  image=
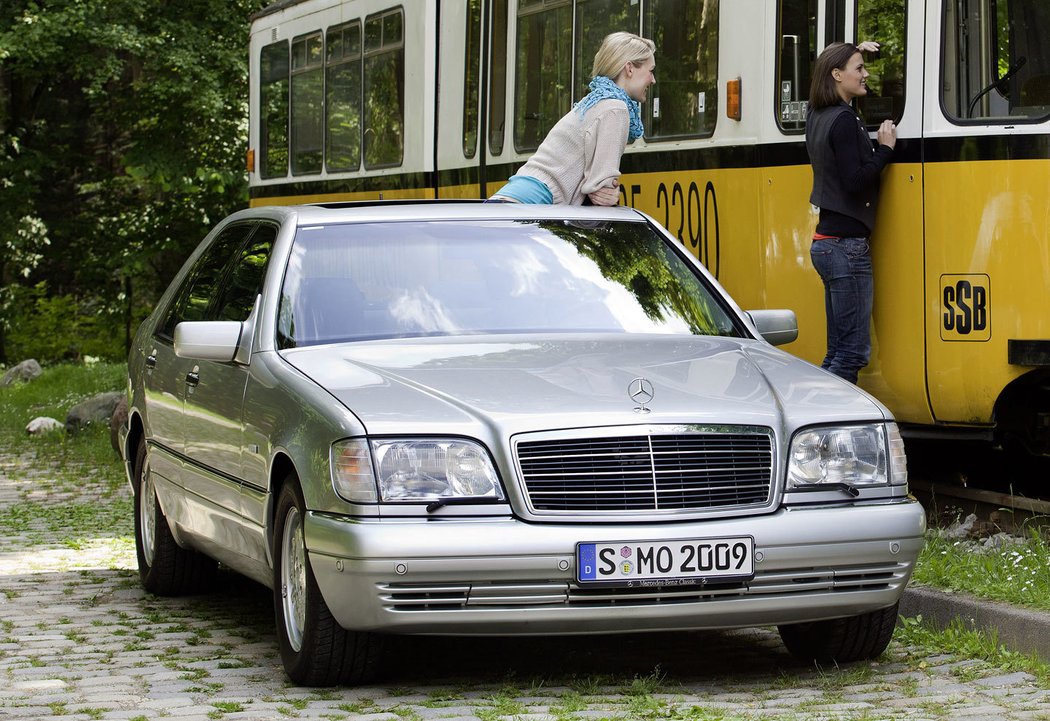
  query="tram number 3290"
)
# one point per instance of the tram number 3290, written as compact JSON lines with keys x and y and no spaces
{"x":689,"y":213}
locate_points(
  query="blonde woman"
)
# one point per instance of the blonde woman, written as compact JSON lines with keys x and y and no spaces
{"x":580,"y":157}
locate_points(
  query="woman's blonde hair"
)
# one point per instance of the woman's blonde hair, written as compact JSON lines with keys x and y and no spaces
{"x":617,"y":50}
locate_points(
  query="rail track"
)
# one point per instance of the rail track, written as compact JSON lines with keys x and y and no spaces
{"x":1007,"y":489}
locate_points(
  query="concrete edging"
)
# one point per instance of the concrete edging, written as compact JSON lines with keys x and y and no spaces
{"x":1018,"y":629}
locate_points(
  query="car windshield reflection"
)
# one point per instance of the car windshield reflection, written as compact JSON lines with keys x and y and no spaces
{"x":363,"y":281}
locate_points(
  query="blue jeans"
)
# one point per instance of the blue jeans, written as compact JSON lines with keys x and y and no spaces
{"x":845,"y":267}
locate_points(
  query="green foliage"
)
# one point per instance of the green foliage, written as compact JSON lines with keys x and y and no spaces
{"x":124,"y":130}
{"x":45,"y":326}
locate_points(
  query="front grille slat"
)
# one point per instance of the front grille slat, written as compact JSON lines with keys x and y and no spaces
{"x":798,"y":582}
{"x":676,"y":471}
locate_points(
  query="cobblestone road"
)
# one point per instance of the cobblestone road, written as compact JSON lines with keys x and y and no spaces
{"x":79,"y":639}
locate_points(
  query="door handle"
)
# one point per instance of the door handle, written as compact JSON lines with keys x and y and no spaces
{"x":151,"y":362}
{"x":193,"y":377}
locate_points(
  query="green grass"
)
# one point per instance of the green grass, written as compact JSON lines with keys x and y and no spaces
{"x":53,"y":394}
{"x":922,"y":641}
{"x":1016,"y":572}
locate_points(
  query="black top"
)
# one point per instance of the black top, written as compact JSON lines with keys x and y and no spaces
{"x":846,"y":171}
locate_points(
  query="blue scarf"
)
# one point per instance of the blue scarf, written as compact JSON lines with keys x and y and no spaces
{"x":602,"y":88}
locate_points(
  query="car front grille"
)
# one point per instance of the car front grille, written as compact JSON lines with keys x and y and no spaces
{"x":701,"y":469}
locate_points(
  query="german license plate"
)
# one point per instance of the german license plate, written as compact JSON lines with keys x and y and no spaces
{"x":666,"y":563}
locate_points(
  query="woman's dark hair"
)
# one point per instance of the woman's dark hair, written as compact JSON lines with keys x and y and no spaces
{"x":823,"y":91}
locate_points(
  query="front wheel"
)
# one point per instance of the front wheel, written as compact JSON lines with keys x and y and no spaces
{"x":315,"y":649}
{"x":841,"y":640}
{"x":165,"y":568}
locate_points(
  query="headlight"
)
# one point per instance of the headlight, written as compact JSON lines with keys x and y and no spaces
{"x":862,"y":455}
{"x":414,"y":470}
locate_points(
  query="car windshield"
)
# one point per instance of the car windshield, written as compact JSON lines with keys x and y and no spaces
{"x":367,"y":281}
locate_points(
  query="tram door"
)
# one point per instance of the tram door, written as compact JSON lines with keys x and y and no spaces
{"x":987,"y":182}
{"x":896,"y":371}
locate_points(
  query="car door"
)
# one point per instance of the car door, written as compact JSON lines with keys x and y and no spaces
{"x":166,"y":373}
{"x":170,"y":378}
{"x":212,"y":411}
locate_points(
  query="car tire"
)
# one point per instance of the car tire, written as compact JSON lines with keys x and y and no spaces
{"x":315,"y":649}
{"x":165,"y":568}
{"x":841,"y":640}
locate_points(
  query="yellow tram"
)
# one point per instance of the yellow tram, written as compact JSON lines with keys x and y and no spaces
{"x":359,"y":99}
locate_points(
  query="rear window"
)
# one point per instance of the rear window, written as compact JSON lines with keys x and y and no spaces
{"x":396,"y":280}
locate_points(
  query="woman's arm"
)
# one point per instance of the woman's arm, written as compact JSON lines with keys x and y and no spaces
{"x":604,"y":142}
{"x":856,"y":172}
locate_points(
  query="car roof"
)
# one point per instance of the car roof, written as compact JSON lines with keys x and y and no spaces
{"x":426,"y":210}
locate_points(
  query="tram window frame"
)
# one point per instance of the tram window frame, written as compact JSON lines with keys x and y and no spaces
{"x":794,"y":114}
{"x":701,"y":92}
{"x":471,"y":78}
{"x":1034,"y":71}
{"x":531,"y":79}
{"x":306,"y":118}
{"x":497,"y":118}
{"x":376,"y":59}
{"x":274,"y":136}
{"x":343,"y":60}
{"x":892,"y":52}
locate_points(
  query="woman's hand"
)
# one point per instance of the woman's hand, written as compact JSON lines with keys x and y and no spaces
{"x":887,"y":133}
{"x":868,"y":46}
{"x":607,"y":195}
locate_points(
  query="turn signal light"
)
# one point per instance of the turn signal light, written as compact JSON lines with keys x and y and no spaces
{"x":733,"y":99}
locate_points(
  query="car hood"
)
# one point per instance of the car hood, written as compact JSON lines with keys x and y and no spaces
{"x":520,"y":384}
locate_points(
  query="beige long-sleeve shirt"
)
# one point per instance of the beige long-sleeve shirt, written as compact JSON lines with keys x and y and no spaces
{"x":578,"y":156}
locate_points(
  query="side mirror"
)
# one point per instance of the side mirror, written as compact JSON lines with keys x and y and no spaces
{"x":776,"y":326}
{"x":210,"y":340}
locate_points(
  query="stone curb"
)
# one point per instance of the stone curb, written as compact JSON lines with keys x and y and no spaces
{"x":1017,"y":629}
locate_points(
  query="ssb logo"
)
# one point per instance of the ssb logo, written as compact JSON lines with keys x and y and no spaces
{"x":966,"y":307}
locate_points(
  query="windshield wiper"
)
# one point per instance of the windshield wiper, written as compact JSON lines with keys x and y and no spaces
{"x":453,"y":501}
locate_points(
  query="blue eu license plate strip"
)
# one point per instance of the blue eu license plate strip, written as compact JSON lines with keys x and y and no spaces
{"x":690,"y":560}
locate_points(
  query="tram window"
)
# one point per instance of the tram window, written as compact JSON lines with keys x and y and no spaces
{"x":498,"y":78}
{"x":343,"y":97}
{"x":307,"y":90}
{"x":543,"y":69}
{"x":684,"y":101}
{"x":996,"y":64}
{"x":384,"y":89}
{"x":594,"y":20}
{"x":884,"y":22}
{"x":472,"y":68}
{"x":273,"y":112}
{"x":796,"y":53}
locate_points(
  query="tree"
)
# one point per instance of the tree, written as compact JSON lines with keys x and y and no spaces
{"x":123,"y":126}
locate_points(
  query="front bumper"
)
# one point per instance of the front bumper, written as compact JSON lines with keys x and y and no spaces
{"x":502,"y":576}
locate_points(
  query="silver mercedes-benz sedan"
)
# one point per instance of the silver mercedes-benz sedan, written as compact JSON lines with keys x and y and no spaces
{"x":468,"y":418}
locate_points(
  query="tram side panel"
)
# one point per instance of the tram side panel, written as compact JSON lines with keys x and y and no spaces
{"x":987,"y":194}
{"x":988,"y":278}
